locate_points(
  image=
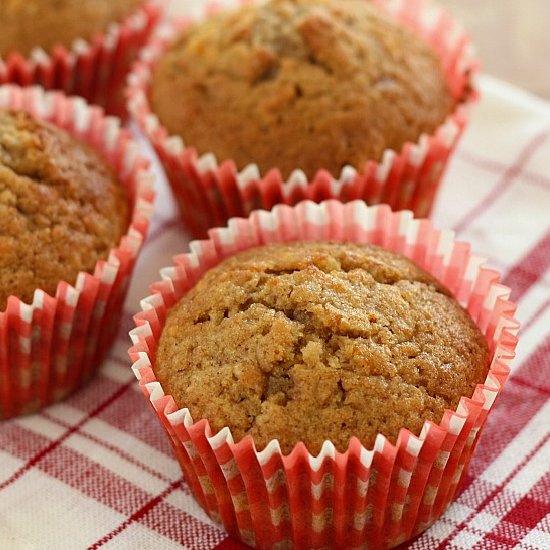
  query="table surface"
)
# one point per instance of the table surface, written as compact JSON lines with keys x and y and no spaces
{"x":96,"y":471}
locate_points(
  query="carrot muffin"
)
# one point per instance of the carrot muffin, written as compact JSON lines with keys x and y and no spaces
{"x":62,"y":208}
{"x":304,"y":84}
{"x":319,"y":341}
{"x":28,"y":24}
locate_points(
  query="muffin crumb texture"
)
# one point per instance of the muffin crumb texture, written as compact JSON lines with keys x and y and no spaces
{"x":319,"y":341}
{"x":30,"y":24}
{"x":304,"y":84}
{"x":62,"y":207}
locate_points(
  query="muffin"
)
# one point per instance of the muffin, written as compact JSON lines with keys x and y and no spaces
{"x":304,"y":100}
{"x":62,"y":208}
{"x":309,"y":84}
{"x":82,"y":47}
{"x":75,"y":203}
{"x":319,"y":341}
{"x":244,"y":340}
{"x":30,"y":24}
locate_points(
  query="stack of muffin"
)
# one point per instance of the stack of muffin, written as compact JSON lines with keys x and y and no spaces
{"x":332,"y":351}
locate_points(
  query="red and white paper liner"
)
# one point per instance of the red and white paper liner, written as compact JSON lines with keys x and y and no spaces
{"x":95,"y":69}
{"x":209,"y":191}
{"x":52,"y":346}
{"x":361,"y":498}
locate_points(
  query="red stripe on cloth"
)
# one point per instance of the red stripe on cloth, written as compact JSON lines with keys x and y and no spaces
{"x":538,"y":180}
{"x":537,"y":368}
{"x":135,"y":516}
{"x":169,"y":522}
{"x":83,"y":474}
{"x":182,"y":528}
{"x":87,"y":399}
{"x":522,"y":518}
{"x":40,"y":455}
{"x":530,"y":385}
{"x":529,"y":511}
{"x":529,"y":269}
{"x":101,"y":484}
{"x":505,"y":181}
{"x":484,"y":163}
{"x":533,"y":178}
{"x":20,"y":442}
{"x":114,"y":449}
{"x":94,"y":480}
{"x":133,"y":415}
{"x":493,"y":494}
{"x":505,"y":536}
{"x":536,"y":316}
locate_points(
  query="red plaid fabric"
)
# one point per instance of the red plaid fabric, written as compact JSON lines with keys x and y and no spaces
{"x":96,"y":471}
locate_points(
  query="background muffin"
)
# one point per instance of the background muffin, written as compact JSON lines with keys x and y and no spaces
{"x":304,"y":84}
{"x":319,"y":341}
{"x":212,"y":188}
{"x":29,"y":24}
{"x":75,"y":202}
{"x":62,"y":207}
{"x":81,"y":47}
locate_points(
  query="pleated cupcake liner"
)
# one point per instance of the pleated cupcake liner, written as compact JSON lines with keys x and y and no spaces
{"x":361,"y":498}
{"x":52,"y":346}
{"x":209,"y":191}
{"x":94,"y":69}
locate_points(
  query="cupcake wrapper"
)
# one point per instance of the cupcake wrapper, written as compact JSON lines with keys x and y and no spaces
{"x":52,"y":346}
{"x":362,"y":498}
{"x":94,"y":69}
{"x":210,"y":192}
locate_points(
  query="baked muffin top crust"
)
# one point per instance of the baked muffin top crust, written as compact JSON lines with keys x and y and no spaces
{"x":62,"y":207}
{"x":28,"y":24}
{"x":304,"y":84}
{"x":316,"y":341}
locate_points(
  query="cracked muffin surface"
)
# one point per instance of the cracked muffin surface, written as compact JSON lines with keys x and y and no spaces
{"x":315,"y":341}
{"x":304,"y":84}
{"x":28,"y":24}
{"x":62,"y":208}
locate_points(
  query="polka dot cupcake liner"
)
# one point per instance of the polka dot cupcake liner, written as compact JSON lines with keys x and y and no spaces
{"x":364,"y":497}
{"x":209,"y":190}
{"x":52,"y":346}
{"x":94,"y":69}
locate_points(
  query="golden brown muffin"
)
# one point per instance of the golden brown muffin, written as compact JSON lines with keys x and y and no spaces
{"x":304,"y":84}
{"x":315,"y":341}
{"x":62,"y":208}
{"x":28,"y":24}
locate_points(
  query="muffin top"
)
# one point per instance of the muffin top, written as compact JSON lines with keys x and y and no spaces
{"x":315,"y":341}
{"x":62,"y":208}
{"x":28,"y":24}
{"x":304,"y":84}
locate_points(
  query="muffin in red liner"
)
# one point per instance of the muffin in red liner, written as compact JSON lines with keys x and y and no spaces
{"x":210,"y":190}
{"x":377,"y":497}
{"x":95,"y":69}
{"x":50,"y":347}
